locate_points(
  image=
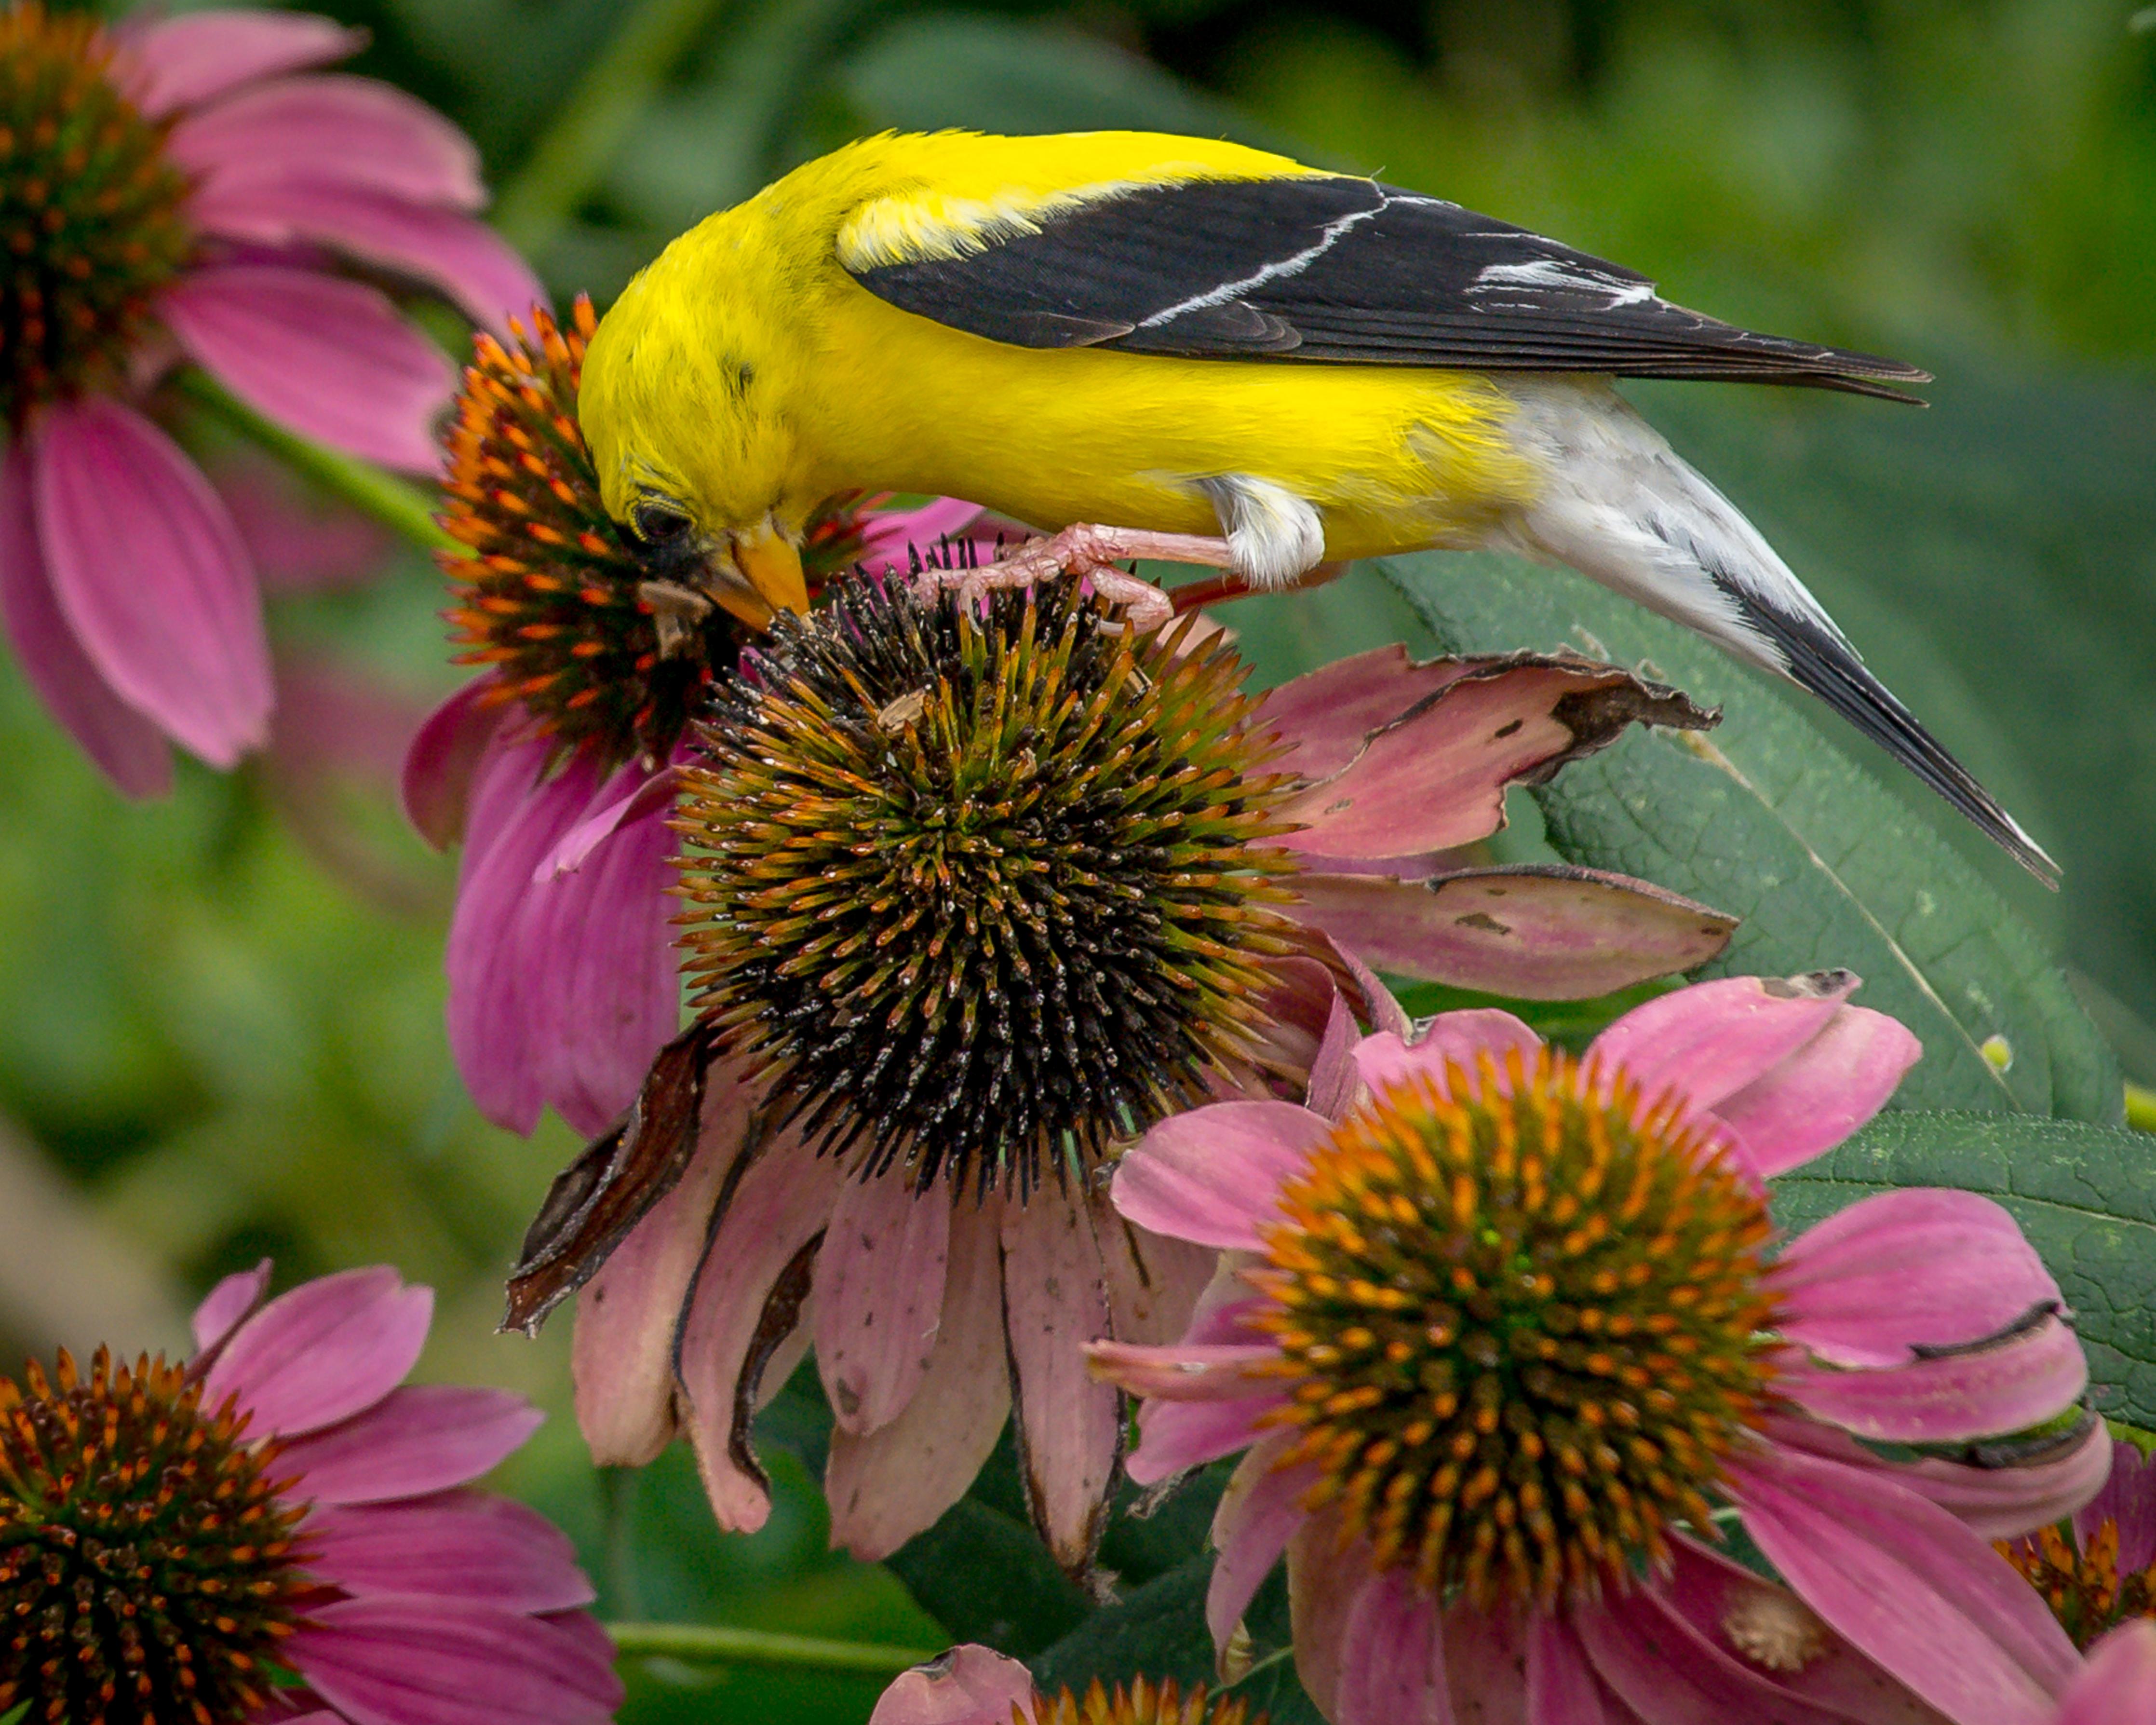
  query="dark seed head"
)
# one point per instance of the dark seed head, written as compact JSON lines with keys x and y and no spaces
{"x":91,"y":226}
{"x":981,"y":885}
{"x":1527,"y":1319}
{"x":1143,"y":1702}
{"x":147,"y":1567}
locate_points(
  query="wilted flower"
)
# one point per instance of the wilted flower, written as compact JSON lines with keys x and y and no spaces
{"x":172,"y":190}
{"x":280,"y":1528}
{"x":978,"y":890}
{"x":974,"y":1685}
{"x":555,"y":767}
{"x":1502,"y":1335}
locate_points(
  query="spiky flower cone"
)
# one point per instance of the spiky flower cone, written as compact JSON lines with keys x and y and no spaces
{"x":1143,"y":1702}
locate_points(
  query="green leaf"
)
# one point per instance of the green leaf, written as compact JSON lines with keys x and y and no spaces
{"x":1765,"y":819}
{"x":2084,"y":1195}
{"x":985,"y":1577}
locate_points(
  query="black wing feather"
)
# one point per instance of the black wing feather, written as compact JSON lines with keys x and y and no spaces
{"x":1345,"y":271}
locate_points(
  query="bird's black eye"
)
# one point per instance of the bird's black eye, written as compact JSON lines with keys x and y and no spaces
{"x":657,"y":523}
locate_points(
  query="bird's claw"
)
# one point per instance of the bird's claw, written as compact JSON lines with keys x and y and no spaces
{"x":1093,"y":554}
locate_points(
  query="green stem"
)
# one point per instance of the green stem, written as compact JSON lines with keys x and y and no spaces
{"x":573,"y":154}
{"x":735,"y":1646}
{"x":395,"y":502}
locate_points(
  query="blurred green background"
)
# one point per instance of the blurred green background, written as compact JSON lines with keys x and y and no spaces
{"x":220,"y":1017}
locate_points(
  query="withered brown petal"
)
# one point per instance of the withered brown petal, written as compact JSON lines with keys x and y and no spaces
{"x":595,"y":1201}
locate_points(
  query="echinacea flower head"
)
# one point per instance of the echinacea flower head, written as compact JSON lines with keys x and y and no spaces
{"x":975,"y":1686}
{"x":1509,"y":1337}
{"x":2098,"y":1570}
{"x":277,"y":1528}
{"x":187,"y":189}
{"x":982,"y":888}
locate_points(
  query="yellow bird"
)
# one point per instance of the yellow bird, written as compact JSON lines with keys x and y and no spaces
{"x":1185,"y":336}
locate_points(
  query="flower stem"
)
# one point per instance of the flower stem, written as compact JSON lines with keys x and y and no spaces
{"x":576,"y":150}
{"x":713,"y":1645}
{"x":395,"y":502}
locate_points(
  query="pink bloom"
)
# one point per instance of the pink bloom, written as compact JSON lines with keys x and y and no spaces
{"x":2118,"y":1686}
{"x":1465,"y":1545}
{"x":300,"y":1475}
{"x":210,"y":228}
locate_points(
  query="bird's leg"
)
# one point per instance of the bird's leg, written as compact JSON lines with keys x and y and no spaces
{"x":1093,"y":554}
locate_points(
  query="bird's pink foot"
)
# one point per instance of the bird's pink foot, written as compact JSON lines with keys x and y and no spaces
{"x":1093,"y":552}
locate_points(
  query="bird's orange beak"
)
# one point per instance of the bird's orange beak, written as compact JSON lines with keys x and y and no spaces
{"x":770,"y":581}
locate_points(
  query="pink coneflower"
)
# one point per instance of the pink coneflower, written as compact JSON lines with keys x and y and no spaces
{"x":2118,"y":1686}
{"x":976,"y":891}
{"x":975,"y":1686}
{"x":282,"y":1528}
{"x":183,"y":189}
{"x":556,"y":767}
{"x":1503,"y":1336}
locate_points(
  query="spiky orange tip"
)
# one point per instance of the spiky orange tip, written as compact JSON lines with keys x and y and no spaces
{"x":2082,"y":1581}
{"x":91,"y":219}
{"x":1143,"y":1702}
{"x":148,"y":1567}
{"x":1527,"y":1317}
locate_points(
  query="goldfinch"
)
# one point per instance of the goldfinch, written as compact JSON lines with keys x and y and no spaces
{"x":1177,"y":336}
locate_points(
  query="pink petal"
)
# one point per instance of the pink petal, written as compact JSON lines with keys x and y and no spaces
{"x":879,"y":1296}
{"x":1395,"y":1671}
{"x":1257,"y":1516}
{"x":1451,"y":1039}
{"x":1485,"y":1659}
{"x":889,"y":1485}
{"x":151,"y":578}
{"x":228,"y":1304}
{"x":464,"y":1545}
{"x":328,"y":357}
{"x":1920,"y":1267}
{"x":1325,"y":716}
{"x":1294,"y":1009}
{"x":2118,"y":1686}
{"x":1332,"y":1076}
{"x":127,"y":746}
{"x":1154,"y":1281}
{"x":1664,"y":1669}
{"x":780,"y":1207}
{"x":633,"y":792}
{"x":1899,"y":1578}
{"x":422,"y":1661}
{"x":324,"y":1352}
{"x":1562,"y":1688}
{"x":464,"y":259}
{"x":355,"y":131}
{"x":1824,"y":1092}
{"x":621,"y":1359}
{"x":1175,"y":1436}
{"x":967,"y":1685}
{"x":2127,"y":1498}
{"x":1326,"y":1578}
{"x":415,"y":1441}
{"x":178,"y":62}
{"x":299,"y":541}
{"x":890,"y":532}
{"x":1068,"y":1425}
{"x":1711,"y":1040}
{"x":442,"y":756}
{"x":1186,"y":1372}
{"x":1533,"y":932}
{"x":1214,"y":1175}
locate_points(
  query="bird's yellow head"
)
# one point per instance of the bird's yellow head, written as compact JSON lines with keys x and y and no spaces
{"x":680,"y":403}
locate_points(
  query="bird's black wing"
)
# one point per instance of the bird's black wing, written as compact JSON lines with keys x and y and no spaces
{"x":1334,"y":268}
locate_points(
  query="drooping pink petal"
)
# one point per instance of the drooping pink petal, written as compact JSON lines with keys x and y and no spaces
{"x":325,"y":1352}
{"x":633,"y":793}
{"x":462,"y":258}
{"x":1534,"y":933}
{"x":1821,"y":1094}
{"x":150,"y":573}
{"x":129,"y":750}
{"x":1256,"y":1516}
{"x":169,"y":64}
{"x":1486,"y":1658}
{"x":1186,"y":1371}
{"x":1664,"y":1668}
{"x":1153,"y":1280}
{"x":879,"y":1296}
{"x":1713,"y":1039}
{"x":1294,"y":1007}
{"x":1068,"y":1424}
{"x":1332,"y":1075}
{"x":425,"y":1662}
{"x":2128,"y":1500}
{"x":228,"y":1304}
{"x":442,"y":756}
{"x":1394,"y":1671}
{"x":358,"y":131}
{"x":1903,"y":1580}
{"x":421,"y":1439}
{"x":621,"y":1359}
{"x":2118,"y":1684}
{"x":1923,"y":1267}
{"x":1562,"y":1688}
{"x":1325,"y":716}
{"x":330,"y":359}
{"x":887,"y":1486}
{"x":462,"y":1545}
{"x":1175,"y":1436}
{"x":967,"y":1685}
{"x":1451,"y":1039}
{"x":1326,"y":1578}
{"x":777,"y":1210}
{"x":1213,"y":1174}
